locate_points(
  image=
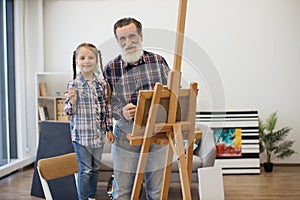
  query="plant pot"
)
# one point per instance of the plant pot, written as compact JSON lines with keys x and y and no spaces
{"x":268,"y":167}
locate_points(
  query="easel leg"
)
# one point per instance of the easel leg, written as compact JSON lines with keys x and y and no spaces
{"x":190,"y":159}
{"x":146,"y":142}
{"x":182,"y":164}
{"x":167,"y":172}
{"x":191,"y":134}
{"x":140,"y":170}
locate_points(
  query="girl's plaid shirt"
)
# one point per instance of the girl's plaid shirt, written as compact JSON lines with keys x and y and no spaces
{"x":91,"y":117}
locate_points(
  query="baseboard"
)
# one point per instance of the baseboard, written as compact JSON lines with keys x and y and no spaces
{"x":284,"y":164}
{"x":16,"y":165}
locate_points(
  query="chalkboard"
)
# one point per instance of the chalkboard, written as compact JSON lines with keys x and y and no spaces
{"x":54,"y":140}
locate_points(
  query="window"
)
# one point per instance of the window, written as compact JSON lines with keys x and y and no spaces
{"x":8,"y":140}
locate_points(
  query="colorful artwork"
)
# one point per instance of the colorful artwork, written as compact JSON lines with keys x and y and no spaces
{"x":229,"y":142}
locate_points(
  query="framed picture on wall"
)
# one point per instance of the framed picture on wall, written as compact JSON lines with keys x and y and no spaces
{"x":228,"y":141}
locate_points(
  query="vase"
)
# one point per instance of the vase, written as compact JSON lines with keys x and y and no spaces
{"x":268,"y":167}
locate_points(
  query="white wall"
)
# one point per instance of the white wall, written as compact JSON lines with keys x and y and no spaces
{"x":245,"y":49}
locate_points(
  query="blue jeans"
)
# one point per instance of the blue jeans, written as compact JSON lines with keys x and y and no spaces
{"x":126,"y":158}
{"x":89,"y":160}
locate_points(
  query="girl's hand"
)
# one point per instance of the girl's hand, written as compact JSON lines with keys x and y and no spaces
{"x":72,"y":95}
{"x":110,"y":136}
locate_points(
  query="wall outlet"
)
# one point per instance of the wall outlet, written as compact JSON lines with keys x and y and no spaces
{"x":28,"y":148}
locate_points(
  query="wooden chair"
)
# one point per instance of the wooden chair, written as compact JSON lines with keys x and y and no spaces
{"x":56,"y":167}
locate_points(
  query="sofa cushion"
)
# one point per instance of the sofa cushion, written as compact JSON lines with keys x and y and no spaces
{"x":106,"y":162}
{"x":107,"y":147}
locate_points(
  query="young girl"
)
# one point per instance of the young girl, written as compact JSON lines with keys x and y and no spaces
{"x":91,"y":118}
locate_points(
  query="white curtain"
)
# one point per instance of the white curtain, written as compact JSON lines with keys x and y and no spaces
{"x":29,"y":59}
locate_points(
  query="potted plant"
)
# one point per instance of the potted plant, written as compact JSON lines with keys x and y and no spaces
{"x":272,"y":142}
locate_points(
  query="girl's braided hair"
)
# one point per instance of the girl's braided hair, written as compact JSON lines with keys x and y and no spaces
{"x":103,"y":74}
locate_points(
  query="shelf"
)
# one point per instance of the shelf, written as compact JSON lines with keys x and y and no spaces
{"x":50,"y":87}
{"x":51,"y":97}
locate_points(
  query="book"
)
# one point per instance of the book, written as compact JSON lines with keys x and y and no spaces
{"x":42,"y":113}
{"x":43,"y":89}
{"x":46,"y":113}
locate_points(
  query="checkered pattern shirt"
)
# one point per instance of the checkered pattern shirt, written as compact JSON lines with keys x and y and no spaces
{"x":91,"y":117}
{"x":126,"y":80}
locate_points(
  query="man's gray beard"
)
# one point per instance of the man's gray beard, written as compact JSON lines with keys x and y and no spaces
{"x":132,"y":57}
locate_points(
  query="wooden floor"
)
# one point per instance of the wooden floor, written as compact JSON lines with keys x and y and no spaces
{"x":282,"y":183}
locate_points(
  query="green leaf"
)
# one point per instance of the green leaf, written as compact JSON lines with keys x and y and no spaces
{"x":271,"y":122}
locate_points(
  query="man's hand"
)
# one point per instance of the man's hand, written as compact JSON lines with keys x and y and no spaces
{"x":129,"y":111}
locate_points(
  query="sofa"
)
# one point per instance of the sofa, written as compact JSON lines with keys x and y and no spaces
{"x":204,"y":156}
{"x":55,"y":140}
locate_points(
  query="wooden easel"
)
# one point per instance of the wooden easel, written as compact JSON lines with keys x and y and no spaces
{"x":179,"y":125}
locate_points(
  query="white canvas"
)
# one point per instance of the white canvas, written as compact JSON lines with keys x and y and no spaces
{"x":211,"y":183}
